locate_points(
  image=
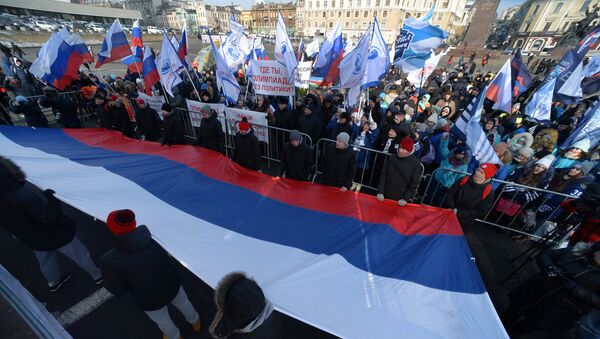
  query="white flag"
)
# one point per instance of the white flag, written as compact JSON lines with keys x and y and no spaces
{"x":540,"y":104}
{"x":284,"y":51}
{"x":169,"y":65}
{"x":232,"y":49}
{"x":572,"y":87}
{"x":378,"y":61}
{"x":225,"y":79}
{"x":354,"y":66}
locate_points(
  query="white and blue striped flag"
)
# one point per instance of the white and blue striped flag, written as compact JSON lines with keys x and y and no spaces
{"x":588,"y":128}
{"x":225,"y":78}
{"x":169,"y":66}
{"x":284,"y":50}
{"x":415,"y":43}
{"x":378,"y":61}
{"x":540,"y":105}
{"x":468,"y":129}
{"x":353,"y":67}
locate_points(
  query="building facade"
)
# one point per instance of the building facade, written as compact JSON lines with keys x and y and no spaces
{"x":317,"y":17}
{"x":218,"y":17}
{"x":145,"y":7}
{"x":542,"y":23}
{"x":246,"y":20}
{"x":264,"y":17}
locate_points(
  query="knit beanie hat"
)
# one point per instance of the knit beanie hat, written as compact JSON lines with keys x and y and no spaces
{"x":344,"y":137}
{"x":295,"y":135}
{"x":244,"y":126}
{"x":526,"y":152}
{"x":433,"y":118}
{"x":121,"y":222}
{"x":205,"y":109}
{"x":489,"y":170}
{"x":585,"y":166}
{"x":441,"y":123}
{"x":21,"y":99}
{"x":546,"y":161}
{"x":166,"y":107}
{"x":583,"y":145}
{"x":408,"y":144}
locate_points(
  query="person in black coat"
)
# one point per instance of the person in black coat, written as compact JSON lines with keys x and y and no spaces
{"x":174,"y":132}
{"x":401,"y":174}
{"x":328,"y":110}
{"x":283,"y":115}
{"x":309,"y":123}
{"x":120,"y":117}
{"x":247,"y":151}
{"x":339,"y":163}
{"x":105,"y":120}
{"x":37,"y":220}
{"x":138,"y":265}
{"x":243,"y":311}
{"x":472,"y":196}
{"x":210,"y":134}
{"x":64,"y":109}
{"x":554,"y":300}
{"x":339,"y":125}
{"x":296,"y":158}
{"x":32,"y":112}
{"x":148,"y":121}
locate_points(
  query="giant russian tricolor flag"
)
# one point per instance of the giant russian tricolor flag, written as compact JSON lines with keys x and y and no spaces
{"x":339,"y":261}
{"x":114,"y":46}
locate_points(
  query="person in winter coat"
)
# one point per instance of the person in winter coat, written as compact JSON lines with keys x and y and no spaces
{"x":401,"y":174}
{"x":576,"y":153}
{"x":472,"y":196}
{"x":22,"y":74}
{"x":30,"y":109}
{"x":174,"y":132}
{"x":309,"y":123}
{"x":446,"y":100}
{"x":339,"y":163}
{"x":116,"y":117}
{"x":243,"y":311}
{"x":210,"y":134}
{"x":520,"y":140}
{"x":586,"y":211}
{"x":138,"y":265}
{"x":327,"y":112}
{"x":545,"y":140}
{"x":365,"y":139}
{"x":339,"y":124}
{"x":296,"y":158}
{"x":37,"y":220}
{"x":148,"y":122}
{"x":520,"y":159}
{"x":554,"y":300}
{"x":247,"y":151}
{"x":283,"y":115}
{"x":64,"y":109}
{"x":445,"y":177}
{"x":534,"y":174}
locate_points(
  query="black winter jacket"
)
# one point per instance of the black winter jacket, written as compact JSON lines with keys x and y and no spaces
{"x":339,"y":166}
{"x":310,"y":125}
{"x":174,"y":133}
{"x":35,"y":219}
{"x":296,"y":161}
{"x":120,"y":120}
{"x":149,"y":123}
{"x":284,"y":119}
{"x":247,"y":151}
{"x":210,"y":134}
{"x":68,"y":112}
{"x":33,"y":115}
{"x":400,"y":177}
{"x":137,"y":264}
{"x":471,"y":200}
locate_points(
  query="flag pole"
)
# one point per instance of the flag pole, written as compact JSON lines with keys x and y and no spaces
{"x":192,"y":81}
{"x":102,"y":77}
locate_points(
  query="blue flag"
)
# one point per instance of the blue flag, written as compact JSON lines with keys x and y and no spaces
{"x":520,"y":76}
{"x":540,"y":104}
{"x":588,"y":128}
{"x":378,"y":61}
{"x":415,"y":43}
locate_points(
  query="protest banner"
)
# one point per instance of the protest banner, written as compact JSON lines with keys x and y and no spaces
{"x":269,"y":77}
{"x":195,"y":109}
{"x":154,"y":101}
{"x":302,"y":76}
{"x":256,"y":119}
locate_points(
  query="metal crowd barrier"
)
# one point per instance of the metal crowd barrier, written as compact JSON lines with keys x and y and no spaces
{"x":518,"y":220}
{"x":367,"y":169}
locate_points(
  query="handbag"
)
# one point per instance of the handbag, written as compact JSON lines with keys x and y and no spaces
{"x":507,"y":207}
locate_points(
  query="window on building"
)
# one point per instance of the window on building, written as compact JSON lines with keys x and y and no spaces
{"x":364,"y":25}
{"x":347,"y":14}
{"x":383,"y":25}
{"x":397,"y":2}
{"x":585,"y":5}
{"x":566,"y":26}
{"x":309,"y":4}
{"x":324,"y":4}
{"x":323,"y":24}
{"x":365,"y":14}
{"x":356,"y":14}
{"x":347,"y":24}
{"x":535,"y":9}
{"x":387,"y":2}
{"x":406,"y":15}
{"x":339,"y":14}
{"x":557,"y":7}
{"x":330,"y":24}
{"x":318,"y":4}
{"x":537,"y":45}
{"x":547,"y":26}
{"x":377,"y":3}
{"x":418,"y":15}
{"x":324,"y":14}
{"x":331,"y":14}
{"x":445,"y":4}
{"x":384,"y":14}
{"x":354,"y":25}
{"x":333,"y":4}
{"x":440,"y":16}
{"x":526,"y":29}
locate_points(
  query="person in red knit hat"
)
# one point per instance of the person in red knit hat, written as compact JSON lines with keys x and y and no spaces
{"x":137,"y":264}
{"x":472,"y":196}
{"x":401,"y":174}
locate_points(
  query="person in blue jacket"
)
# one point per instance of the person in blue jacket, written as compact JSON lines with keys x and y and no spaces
{"x":364,"y":136}
{"x":445,"y":176}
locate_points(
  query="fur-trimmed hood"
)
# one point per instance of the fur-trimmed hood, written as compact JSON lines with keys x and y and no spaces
{"x":545,"y":140}
{"x":241,"y":306}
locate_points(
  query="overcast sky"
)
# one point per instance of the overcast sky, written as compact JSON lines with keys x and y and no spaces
{"x":504,"y":4}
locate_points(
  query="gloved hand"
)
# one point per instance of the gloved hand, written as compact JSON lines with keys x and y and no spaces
{"x":343,"y":189}
{"x":402,"y":202}
{"x":553,"y":271}
{"x":380,"y":197}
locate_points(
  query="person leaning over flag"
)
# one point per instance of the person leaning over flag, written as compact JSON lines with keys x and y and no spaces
{"x":137,"y":264}
{"x":173,"y":128}
{"x":210,"y":133}
{"x":339,"y":163}
{"x":472,"y":196}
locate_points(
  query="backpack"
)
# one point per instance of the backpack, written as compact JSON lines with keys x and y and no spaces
{"x":486,"y":190}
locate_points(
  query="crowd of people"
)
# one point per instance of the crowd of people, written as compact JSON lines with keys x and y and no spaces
{"x":396,"y":136}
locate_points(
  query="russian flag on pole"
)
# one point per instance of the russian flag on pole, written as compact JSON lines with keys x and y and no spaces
{"x":114,"y":46}
{"x":59,"y":59}
{"x":149,"y":71}
{"x":330,"y":56}
{"x":182,"y":48}
{"x":500,"y":90}
{"x":520,"y":76}
{"x":134,"y":61}
{"x":342,"y":262}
